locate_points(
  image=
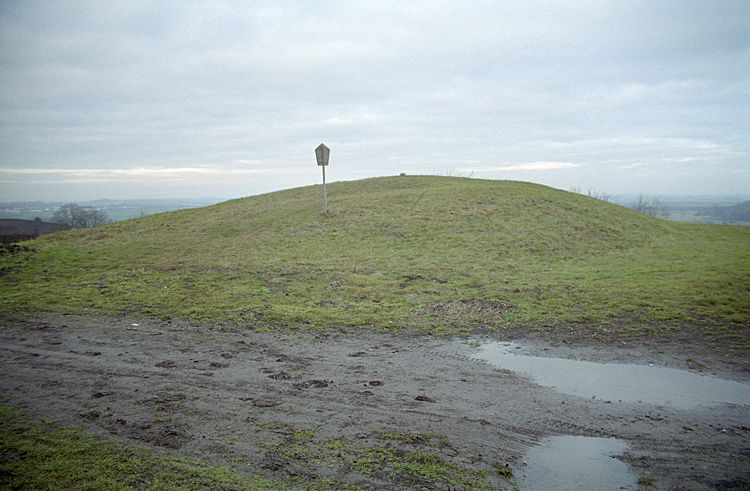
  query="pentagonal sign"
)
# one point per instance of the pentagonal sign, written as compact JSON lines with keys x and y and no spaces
{"x":321,"y":154}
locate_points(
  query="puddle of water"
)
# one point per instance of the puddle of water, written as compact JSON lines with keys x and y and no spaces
{"x":576,"y":462}
{"x":618,"y":382}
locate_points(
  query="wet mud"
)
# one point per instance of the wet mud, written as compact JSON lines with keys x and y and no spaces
{"x":617,"y":381}
{"x":251,"y":399}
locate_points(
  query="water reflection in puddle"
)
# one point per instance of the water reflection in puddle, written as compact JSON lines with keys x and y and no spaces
{"x":618,"y":382}
{"x":575,"y":463}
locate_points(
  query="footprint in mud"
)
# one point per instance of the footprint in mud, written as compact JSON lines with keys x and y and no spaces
{"x":87,"y":353}
{"x":313,"y":384}
{"x":168,"y":437}
{"x":273,"y":461}
{"x":99,"y":395}
{"x":424,"y":399}
{"x":261,"y":401}
{"x":166,"y":397}
{"x":282,"y":375}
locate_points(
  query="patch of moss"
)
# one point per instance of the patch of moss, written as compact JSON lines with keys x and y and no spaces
{"x":646,"y":481}
{"x":503,"y":469}
{"x":397,"y":459}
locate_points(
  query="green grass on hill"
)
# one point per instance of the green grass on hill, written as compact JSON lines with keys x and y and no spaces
{"x":432,"y":253}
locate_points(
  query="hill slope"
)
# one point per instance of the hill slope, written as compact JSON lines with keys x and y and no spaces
{"x":426,"y":252}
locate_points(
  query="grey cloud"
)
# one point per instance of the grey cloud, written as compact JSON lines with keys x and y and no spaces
{"x":389,"y":86}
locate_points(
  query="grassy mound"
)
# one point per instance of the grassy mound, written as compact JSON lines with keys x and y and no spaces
{"x":435,"y":253}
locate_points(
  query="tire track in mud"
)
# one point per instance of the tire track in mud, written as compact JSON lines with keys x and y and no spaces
{"x":525,"y":434}
{"x":194,"y":389}
{"x":70,"y":363}
{"x":556,"y":424}
{"x":371,"y":412}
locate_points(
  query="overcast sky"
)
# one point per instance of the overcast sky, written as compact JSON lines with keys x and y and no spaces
{"x":224,"y":99}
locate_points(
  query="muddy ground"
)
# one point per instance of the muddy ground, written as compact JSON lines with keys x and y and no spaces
{"x":319,"y":407}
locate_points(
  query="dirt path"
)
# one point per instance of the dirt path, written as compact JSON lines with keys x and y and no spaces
{"x":245,"y":398}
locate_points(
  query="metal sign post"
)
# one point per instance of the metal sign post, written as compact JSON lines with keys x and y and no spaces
{"x":325,"y":195}
{"x":321,"y":156}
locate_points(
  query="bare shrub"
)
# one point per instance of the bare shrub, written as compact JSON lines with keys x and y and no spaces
{"x":72,"y":215}
{"x":652,"y":207}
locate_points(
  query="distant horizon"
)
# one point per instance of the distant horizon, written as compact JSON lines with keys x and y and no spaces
{"x":216,"y":199}
{"x":182,"y":198}
{"x":684,"y":208}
